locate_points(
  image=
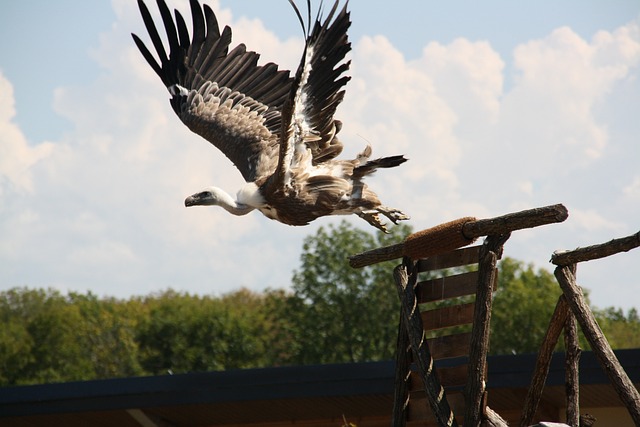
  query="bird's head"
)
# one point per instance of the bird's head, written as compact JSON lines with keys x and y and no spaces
{"x":207,"y":197}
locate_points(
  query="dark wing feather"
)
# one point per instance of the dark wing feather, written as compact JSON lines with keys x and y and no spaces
{"x":221,"y":94}
{"x":317,"y":91}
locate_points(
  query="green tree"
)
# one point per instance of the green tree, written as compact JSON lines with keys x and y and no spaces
{"x":45,"y":323}
{"x":343,"y":314}
{"x":187,"y":333}
{"x":522,"y":307}
{"x":622,"y":331}
{"x":108,"y":334}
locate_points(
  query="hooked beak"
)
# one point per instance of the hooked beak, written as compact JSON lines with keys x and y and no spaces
{"x":202,"y":198}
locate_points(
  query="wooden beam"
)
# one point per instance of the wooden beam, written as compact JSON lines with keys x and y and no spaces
{"x":475,"y":389}
{"x":602,"y":250}
{"x":469,"y":230}
{"x":515,"y":221}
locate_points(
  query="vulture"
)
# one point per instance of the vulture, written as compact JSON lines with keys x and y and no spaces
{"x":277,"y":129}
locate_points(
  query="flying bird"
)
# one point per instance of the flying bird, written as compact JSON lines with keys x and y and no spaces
{"x":277,"y":129}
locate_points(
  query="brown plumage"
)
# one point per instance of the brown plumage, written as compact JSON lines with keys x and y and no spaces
{"x":279,"y":131}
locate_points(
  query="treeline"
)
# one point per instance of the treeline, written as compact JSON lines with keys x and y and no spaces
{"x":332,"y":314}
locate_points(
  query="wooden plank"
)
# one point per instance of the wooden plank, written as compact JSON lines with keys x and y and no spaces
{"x":450,"y":376}
{"x":450,"y":346}
{"x":457,"y":258}
{"x":447,"y":287}
{"x":447,"y":316}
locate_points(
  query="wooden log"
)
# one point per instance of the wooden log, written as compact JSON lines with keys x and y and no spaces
{"x":515,"y":221}
{"x":470,"y":230}
{"x":403,"y":371}
{"x":543,"y":361}
{"x":602,"y":250}
{"x":599,"y":345}
{"x":571,"y":369}
{"x":406,"y":278}
{"x":490,"y":252}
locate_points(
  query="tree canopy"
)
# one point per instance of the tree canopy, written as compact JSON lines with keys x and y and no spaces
{"x":331,"y":313}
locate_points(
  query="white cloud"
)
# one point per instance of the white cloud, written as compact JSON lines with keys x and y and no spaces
{"x":633,"y":189}
{"x":591,"y":221}
{"x":549,"y":113}
{"x":17,"y":156}
{"x":102,"y":207}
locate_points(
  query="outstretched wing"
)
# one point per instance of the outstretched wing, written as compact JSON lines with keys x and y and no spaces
{"x":220,"y":94}
{"x":317,"y":91}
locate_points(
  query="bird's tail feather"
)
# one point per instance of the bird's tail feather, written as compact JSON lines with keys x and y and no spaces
{"x":372,"y":165}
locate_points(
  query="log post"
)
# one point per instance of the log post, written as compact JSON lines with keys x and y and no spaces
{"x":403,"y":372}
{"x":598,"y":342}
{"x":571,"y":366}
{"x":490,"y":252}
{"x":571,"y":369}
{"x":406,"y":278}
{"x":543,"y":361}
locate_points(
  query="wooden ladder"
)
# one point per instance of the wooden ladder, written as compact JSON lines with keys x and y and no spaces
{"x":441,"y":372}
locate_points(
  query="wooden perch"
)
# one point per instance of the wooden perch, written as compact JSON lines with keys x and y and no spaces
{"x":602,"y":250}
{"x":458,"y":233}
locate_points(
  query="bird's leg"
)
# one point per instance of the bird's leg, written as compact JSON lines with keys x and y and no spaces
{"x":394,"y":215}
{"x":372,"y":216}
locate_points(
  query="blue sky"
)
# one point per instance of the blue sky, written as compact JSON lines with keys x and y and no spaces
{"x":500,"y":106}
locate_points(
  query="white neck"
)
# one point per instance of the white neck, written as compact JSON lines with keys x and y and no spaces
{"x":231,"y":205}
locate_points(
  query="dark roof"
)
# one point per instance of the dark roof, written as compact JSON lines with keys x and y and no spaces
{"x":322,"y":392}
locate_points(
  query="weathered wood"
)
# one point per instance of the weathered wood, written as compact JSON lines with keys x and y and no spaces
{"x":445,"y":317}
{"x":602,"y":250}
{"x":421,"y":415}
{"x":492,"y":419}
{"x":450,"y":376}
{"x":479,"y":347}
{"x":473,"y":229}
{"x":454,"y":375}
{"x":405,"y":278}
{"x":587,"y":420}
{"x":456,"y":258}
{"x":447,"y":287}
{"x":449,"y":346}
{"x":515,"y":221}
{"x":374,"y":256}
{"x":571,"y":369}
{"x":403,"y":371}
{"x":598,"y":342}
{"x":543,"y":361}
